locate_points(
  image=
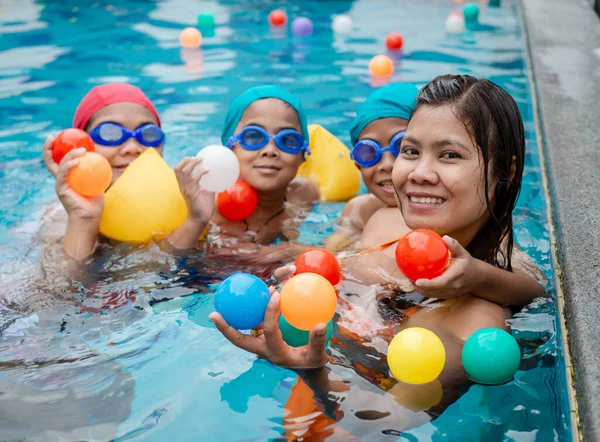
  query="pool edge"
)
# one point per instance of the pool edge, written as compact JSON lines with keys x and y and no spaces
{"x":574,"y":270}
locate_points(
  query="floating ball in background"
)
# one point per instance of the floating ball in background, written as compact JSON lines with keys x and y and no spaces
{"x":471,"y":14}
{"x":342,"y":24}
{"x":190,"y":38}
{"x":277,"y":18}
{"x":206,"y":20}
{"x":491,"y":356}
{"x":381,"y":66}
{"x":222,"y":165}
{"x":302,"y":27}
{"x":394,"y":41}
{"x":455,"y":24}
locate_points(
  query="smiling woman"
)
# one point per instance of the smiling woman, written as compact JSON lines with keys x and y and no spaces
{"x":461,"y":176}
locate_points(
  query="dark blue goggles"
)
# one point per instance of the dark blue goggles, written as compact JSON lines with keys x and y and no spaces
{"x":367,"y":153}
{"x":255,"y":137}
{"x":113,"y":134}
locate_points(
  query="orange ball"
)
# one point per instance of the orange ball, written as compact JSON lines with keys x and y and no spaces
{"x":277,"y":18}
{"x":394,"y":41}
{"x":190,"y":38}
{"x":306,"y":300}
{"x":92,"y":176}
{"x":381,"y":66}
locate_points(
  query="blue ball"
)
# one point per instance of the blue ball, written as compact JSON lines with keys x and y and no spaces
{"x":242,"y":300}
{"x":491,"y":356}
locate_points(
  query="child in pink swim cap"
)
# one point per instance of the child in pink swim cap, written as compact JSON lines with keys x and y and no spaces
{"x":123,"y":123}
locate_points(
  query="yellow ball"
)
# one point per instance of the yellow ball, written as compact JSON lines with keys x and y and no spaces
{"x":416,"y":356}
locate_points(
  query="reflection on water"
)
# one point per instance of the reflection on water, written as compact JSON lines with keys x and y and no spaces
{"x":123,"y":348}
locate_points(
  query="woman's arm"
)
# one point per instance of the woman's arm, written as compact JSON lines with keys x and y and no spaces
{"x":468,"y":275}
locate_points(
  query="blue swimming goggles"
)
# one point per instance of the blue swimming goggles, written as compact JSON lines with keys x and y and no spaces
{"x":113,"y":134}
{"x":255,"y":138}
{"x":367,"y":153}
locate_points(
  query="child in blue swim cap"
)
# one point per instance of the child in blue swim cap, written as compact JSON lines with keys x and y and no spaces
{"x":266,"y":128}
{"x":376,"y":134}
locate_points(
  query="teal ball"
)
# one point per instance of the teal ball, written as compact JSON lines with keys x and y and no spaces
{"x":296,"y":337}
{"x":206,"y":20}
{"x":471,"y":12}
{"x":491,"y":356}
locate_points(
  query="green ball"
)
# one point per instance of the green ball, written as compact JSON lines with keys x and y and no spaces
{"x":206,"y":20}
{"x":471,"y":12}
{"x":296,"y":337}
{"x":491,"y":356}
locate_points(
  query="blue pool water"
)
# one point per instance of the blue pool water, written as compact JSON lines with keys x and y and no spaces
{"x":127,"y":352}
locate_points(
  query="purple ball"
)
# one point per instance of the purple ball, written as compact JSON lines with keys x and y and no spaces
{"x":302,"y":27}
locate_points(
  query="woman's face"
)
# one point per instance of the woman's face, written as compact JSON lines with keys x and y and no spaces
{"x":268,"y":169}
{"x":377,"y":177}
{"x":439,"y":176}
{"x":130,"y":116}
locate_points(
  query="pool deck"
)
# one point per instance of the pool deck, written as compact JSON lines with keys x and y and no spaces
{"x":564,"y":48}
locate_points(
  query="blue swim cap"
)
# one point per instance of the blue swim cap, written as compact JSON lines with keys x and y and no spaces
{"x":239,"y":105}
{"x":396,"y":100}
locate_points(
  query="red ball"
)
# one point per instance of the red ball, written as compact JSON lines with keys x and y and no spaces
{"x":394,"y":41}
{"x":238,"y":202}
{"x":68,"y":140}
{"x":321,"y":262}
{"x":422,"y":254}
{"x":277,"y":18}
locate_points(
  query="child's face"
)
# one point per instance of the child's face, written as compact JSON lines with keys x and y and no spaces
{"x":439,"y":176}
{"x":131,"y":116}
{"x":377,"y":177}
{"x":269,"y":168}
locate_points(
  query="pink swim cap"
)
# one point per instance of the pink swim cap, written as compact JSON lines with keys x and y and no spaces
{"x":102,"y":96}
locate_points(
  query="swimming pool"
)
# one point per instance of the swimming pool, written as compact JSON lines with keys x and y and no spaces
{"x":128,"y":352}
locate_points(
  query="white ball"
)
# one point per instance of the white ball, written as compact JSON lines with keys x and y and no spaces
{"x":455,"y":24}
{"x":342,"y":24}
{"x":222,"y":165}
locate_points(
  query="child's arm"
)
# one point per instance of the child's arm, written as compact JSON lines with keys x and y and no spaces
{"x":352,"y":221}
{"x":200,"y":203}
{"x":470,"y":275}
{"x":83,"y":213}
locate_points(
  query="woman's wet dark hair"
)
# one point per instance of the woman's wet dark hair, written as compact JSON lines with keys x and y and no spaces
{"x":492,"y":118}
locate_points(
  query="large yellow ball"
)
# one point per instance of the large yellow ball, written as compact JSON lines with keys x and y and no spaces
{"x":416,"y":356}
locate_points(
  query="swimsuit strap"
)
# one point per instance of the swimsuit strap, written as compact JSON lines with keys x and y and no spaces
{"x":383,"y":246}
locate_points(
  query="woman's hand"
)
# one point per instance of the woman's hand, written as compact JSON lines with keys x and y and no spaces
{"x":86,"y":210}
{"x":200,"y":203}
{"x":460,"y":278}
{"x":271,"y":346}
